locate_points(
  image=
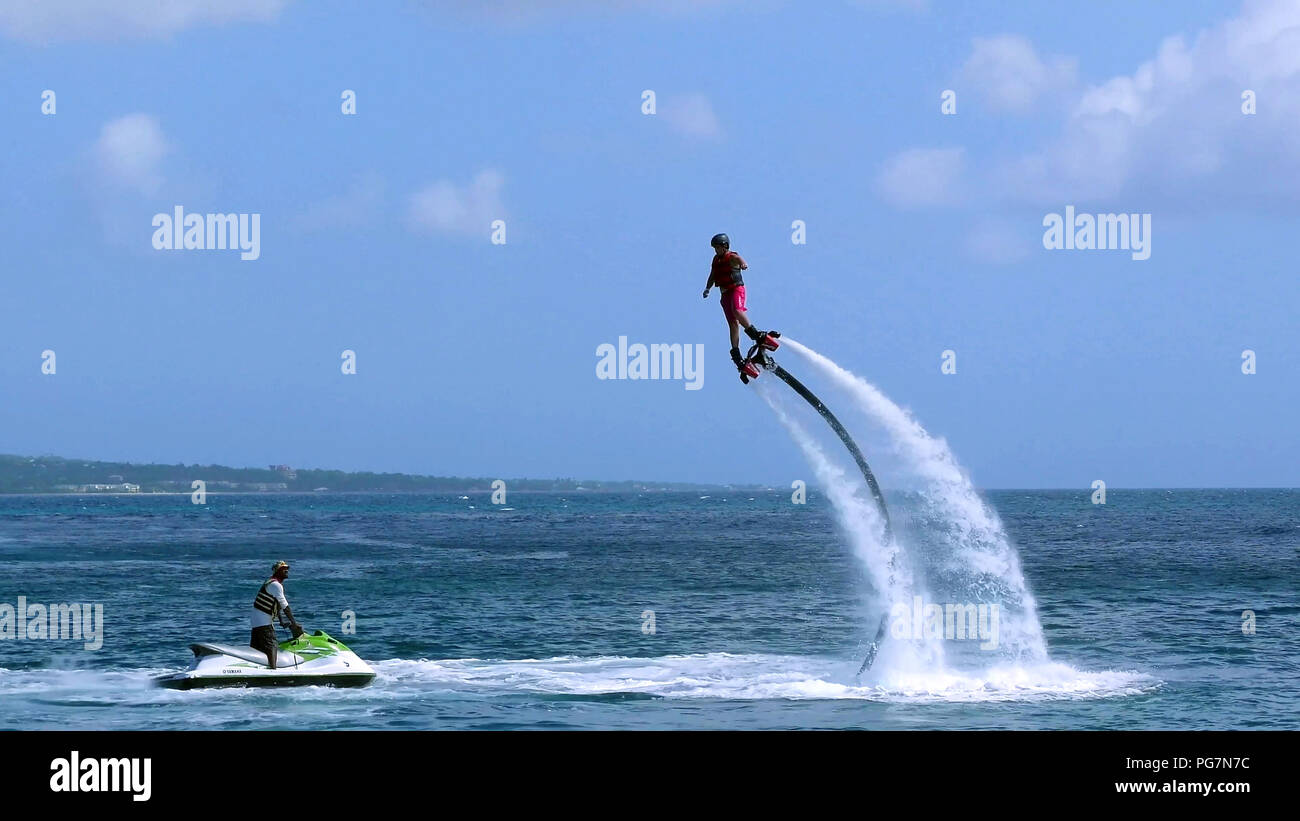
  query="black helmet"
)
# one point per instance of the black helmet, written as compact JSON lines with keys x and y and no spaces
{"x":720,"y":240}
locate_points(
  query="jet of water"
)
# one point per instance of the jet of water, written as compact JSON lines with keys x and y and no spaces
{"x":883,"y":556}
{"x":960,"y":552}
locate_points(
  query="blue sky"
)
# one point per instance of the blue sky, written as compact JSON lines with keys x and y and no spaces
{"x":924,"y":231}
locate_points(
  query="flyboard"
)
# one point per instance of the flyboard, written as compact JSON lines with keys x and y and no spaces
{"x":759,"y":356}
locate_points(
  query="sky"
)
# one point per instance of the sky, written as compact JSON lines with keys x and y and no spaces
{"x":476,"y":347}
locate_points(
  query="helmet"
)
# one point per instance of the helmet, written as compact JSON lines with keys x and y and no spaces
{"x":275,"y":568}
{"x":720,"y":241}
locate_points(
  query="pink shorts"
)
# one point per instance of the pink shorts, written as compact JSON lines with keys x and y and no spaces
{"x":733,"y":301}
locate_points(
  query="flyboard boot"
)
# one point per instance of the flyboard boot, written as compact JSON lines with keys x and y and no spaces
{"x":748,"y":370}
{"x":767,"y":339}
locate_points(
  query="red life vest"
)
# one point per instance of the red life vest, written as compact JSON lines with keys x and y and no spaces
{"x":726,"y":270}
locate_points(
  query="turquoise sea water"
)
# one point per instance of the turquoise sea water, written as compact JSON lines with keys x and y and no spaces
{"x":532,"y":615}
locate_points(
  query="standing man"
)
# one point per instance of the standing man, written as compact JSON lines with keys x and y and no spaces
{"x":269,"y":606}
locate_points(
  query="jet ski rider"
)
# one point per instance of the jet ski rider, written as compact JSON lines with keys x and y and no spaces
{"x":269,"y":605}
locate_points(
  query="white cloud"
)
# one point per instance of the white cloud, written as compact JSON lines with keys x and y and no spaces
{"x":130,"y":172}
{"x":923,"y":177}
{"x":692,"y":115}
{"x":43,"y":21}
{"x":522,"y":11}
{"x":893,"y":5}
{"x":355,"y":207}
{"x":470,"y":209}
{"x":130,"y":151}
{"x":1172,"y":134}
{"x":1174,"y":127}
{"x":1008,"y":74}
{"x":1001,"y":242}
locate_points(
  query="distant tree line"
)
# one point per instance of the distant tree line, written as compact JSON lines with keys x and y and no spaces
{"x":53,"y":474}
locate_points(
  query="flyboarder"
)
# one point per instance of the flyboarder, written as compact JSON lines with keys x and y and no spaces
{"x":725,"y":273}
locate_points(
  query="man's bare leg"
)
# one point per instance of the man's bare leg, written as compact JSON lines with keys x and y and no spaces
{"x":751,"y":331}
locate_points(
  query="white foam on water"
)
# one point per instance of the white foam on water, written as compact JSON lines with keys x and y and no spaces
{"x":722,"y":676}
{"x":746,"y":677}
{"x":959,"y":547}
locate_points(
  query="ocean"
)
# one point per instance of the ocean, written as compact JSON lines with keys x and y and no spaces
{"x":708,"y":610}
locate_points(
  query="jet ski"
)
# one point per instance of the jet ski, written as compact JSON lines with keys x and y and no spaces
{"x":311,"y":659}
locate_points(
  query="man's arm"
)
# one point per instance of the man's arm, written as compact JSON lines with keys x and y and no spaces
{"x":277,"y":592}
{"x":294,"y":627}
{"x":708,"y":284}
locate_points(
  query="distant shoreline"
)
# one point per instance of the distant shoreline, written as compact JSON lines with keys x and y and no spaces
{"x":479,"y":491}
{"x":57,"y":476}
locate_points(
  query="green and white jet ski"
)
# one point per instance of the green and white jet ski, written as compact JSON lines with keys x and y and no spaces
{"x":311,"y":659}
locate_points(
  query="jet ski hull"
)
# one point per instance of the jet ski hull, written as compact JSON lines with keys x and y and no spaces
{"x":181,"y":681}
{"x":311,"y":660}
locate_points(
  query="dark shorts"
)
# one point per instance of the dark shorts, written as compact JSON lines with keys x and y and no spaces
{"x":263,"y":638}
{"x":733,"y":301}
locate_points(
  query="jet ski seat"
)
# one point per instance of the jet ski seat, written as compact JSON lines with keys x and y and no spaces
{"x":283,"y":659}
